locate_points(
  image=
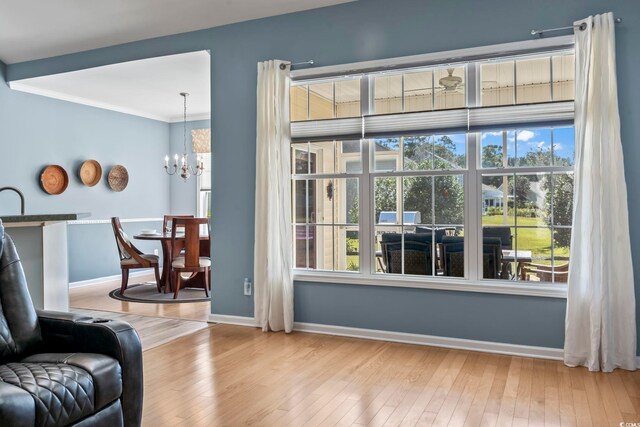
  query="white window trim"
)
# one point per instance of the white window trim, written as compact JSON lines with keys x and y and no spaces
{"x":470,"y":283}
{"x":461,"y":285}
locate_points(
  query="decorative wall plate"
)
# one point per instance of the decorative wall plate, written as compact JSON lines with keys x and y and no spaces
{"x":90,"y":173}
{"x":54,"y":179}
{"x":118,"y":178}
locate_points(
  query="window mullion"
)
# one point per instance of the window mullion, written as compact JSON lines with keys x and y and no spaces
{"x":365,"y":230}
{"x":473,"y":211}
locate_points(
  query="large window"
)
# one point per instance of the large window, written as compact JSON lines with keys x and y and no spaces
{"x":455,"y":172}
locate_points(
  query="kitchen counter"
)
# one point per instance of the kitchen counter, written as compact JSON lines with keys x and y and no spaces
{"x":42,"y":217}
{"x":41,"y":241}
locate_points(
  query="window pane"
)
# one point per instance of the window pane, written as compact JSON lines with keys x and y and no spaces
{"x":402,"y":251}
{"x":349,"y":157}
{"x":563,"y":77}
{"x":301,"y":192}
{"x":324,"y":248}
{"x":321,"y":101}
{"x":347,"y":249}
{"x":440,"y":152}
{"x":345,"y":197}
{"x":388,"y":94}
{"x":497,"y":83}
{"x":495,"y":145}
{"x":348,"y":98}
{"x":563,"y":201}
{"x":561,"y":254}
{"x":449,"y":151}
{"x":533,"y":79}
{"x":497,"y":193}
{"x":418,"y":198}
{"x":299,"y":103}
{"x":300,"y":158}
{"x":387,"y":154}
{"x":418,"y":152}
{"x":304,"y":246}
{"x":533,"y":147}
{"x":532,"y":196}
{"x":418,"y":91}
{"x":563,"y":146}
{"x":386,"y":191}
{"x":322,"y":157}
{"x":533,"y":259}
{"x":449,"y":200}
{"x":321,"y":201}
{"x":450,"y":91}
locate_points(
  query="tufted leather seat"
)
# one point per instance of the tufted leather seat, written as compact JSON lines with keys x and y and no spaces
{"x":60,"y":369}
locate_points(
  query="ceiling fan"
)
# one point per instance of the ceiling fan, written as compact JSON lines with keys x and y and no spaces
{"x":450,"y":83}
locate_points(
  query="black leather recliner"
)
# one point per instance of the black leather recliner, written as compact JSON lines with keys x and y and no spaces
{"x":59,"y":369}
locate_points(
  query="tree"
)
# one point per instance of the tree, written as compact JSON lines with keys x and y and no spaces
{"x":559,"y":206}
{"x":426,"y":153}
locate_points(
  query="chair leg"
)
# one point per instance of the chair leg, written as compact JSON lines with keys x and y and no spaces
{"x":156,"y":270}
{"x":206,"y":283}
{"x":176,"y":285}
{"x":125,"y":280}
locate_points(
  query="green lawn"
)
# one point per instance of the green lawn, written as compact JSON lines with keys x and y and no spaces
{"x":536,"y":240}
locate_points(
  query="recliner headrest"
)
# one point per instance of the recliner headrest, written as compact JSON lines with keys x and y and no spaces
{"x":1,"y":237}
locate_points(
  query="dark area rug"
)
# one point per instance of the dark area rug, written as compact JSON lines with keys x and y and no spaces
{"x":147,"y":292}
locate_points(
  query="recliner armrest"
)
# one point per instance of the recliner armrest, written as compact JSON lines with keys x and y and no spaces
{"x":68,"y":332}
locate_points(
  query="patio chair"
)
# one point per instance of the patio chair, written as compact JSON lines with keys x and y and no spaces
{"x":545,"y":273}
{"x":453,"y":257}
{"x":418,"y":252}
{"x":502,"y":232}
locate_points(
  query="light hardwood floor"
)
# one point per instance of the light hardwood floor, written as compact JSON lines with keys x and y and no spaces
{"x":153,"y":331}
{"x":96,"y":297}
{"x":224,"y":375}
{"x":234,"y":376}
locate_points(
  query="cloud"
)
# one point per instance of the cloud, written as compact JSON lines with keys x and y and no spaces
{"x":525,"y":135}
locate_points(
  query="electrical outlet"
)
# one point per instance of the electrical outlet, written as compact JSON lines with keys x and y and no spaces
{"x":247,"y":286}
{"x":155,"y":252}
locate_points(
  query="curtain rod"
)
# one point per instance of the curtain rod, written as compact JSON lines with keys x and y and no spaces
{"x":309,"y":62}
{"x":582,"y":27}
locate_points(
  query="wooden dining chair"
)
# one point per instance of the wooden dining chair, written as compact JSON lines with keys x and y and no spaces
{"x":132,"y":257}
{"x":168,"y":221}
{"x":190,"y":260}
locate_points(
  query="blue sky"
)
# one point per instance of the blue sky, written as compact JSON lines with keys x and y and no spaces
{"x":533,"y":139}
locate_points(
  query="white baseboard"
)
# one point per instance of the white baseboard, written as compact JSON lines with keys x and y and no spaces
{"x":145,"y":274}
{"x":407,"y":338}
{"x":432,"y":340}
{"x":232,"y":320}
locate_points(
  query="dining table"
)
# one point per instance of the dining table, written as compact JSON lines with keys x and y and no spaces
{"x":196,"y":280}
{"x":521,"y":257}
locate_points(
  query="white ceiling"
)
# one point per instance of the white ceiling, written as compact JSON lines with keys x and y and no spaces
{"x":147,"y":88}
{"x":39,"y":29}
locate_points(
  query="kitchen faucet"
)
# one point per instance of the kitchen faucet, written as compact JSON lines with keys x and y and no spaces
{"x":19,"y":193}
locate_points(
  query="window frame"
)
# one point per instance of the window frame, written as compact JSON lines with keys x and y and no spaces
{"x":472,"y":175}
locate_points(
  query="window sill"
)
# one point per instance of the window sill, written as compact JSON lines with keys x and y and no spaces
{"x":515,"y":288}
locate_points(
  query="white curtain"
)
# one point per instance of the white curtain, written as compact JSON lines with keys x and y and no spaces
{"x":600,"y":330}
{"x":273,"y":282}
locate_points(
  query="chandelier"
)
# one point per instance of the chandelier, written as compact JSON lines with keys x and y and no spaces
{"x":185,"y":169}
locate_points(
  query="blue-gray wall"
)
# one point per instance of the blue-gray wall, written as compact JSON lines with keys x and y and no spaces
{"x":366,"y":30}
{"x":36,"y":131}
{"x":183,"y":194}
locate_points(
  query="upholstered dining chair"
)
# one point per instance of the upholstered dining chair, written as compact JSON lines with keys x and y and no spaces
{"x":188,"y":260}
{"x":132,"y":257}
{"x":167,"y":222}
